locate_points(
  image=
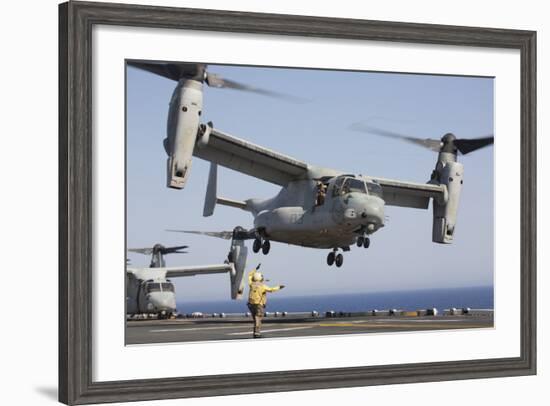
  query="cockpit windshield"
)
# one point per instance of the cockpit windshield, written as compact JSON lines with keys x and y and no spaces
{"x":167,"y":287}
{"x":345,"y":185}
{"x":353,"y":185}
{"x":153,"y":287}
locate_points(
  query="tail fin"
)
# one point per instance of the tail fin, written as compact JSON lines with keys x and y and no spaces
{"x":211,"y":197}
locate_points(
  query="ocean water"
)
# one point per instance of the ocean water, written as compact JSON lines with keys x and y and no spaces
{"x":473,"y":297}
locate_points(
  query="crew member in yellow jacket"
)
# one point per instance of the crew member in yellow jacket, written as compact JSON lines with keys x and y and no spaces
{"x":257,"y":297}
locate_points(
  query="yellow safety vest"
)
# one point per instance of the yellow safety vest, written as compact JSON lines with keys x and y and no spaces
{"x":257,"y":293}
{"x":258,"y":290}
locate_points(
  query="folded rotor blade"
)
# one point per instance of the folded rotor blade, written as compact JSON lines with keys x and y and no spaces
{"x":429,"y":143}
{"x":465,"y":146}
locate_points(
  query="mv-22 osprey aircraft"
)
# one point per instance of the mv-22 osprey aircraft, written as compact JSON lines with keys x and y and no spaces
{"x":317,"y":207}
{"x":150,"y":291}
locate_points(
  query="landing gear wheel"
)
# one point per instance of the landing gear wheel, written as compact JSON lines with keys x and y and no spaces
{"x":360,"y":241}
{"x":366,"y":243}
{"x":330,"y":258}
{"x":266,"y":246}
{"x":257,"y":245}
{"x":339,"y":260}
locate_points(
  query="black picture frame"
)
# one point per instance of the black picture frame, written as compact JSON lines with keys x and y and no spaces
{"x":76,"y":20}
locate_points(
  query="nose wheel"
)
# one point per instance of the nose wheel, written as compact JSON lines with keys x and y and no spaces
{"x":258,"y":245}
{"x":335,"y":258}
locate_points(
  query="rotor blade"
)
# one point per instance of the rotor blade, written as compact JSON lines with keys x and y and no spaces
{"x":144,"y":251}
{"x":217,"y":81}
{"x":429,"y":143}
{"x":226,"y":235}
{"x":466,"y":146}
{"x":174,"y":250}
{"x":174,"y":71}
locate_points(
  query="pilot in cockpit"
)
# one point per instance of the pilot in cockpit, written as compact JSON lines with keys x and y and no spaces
{"x":321,"y":193}
{"x":345,"y":189}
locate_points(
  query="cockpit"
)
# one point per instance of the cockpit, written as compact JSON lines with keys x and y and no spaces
{"x":159,"y":287}
{"x":347,"y":184}
{"x":344,"y":185}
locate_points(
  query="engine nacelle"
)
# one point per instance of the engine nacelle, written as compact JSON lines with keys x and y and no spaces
{"x":449,"y":173}
{"x":182,"y":129}
{"x":237,"y":255}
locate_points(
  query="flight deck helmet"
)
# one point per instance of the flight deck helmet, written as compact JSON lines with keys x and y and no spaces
{"x":257,"y":277}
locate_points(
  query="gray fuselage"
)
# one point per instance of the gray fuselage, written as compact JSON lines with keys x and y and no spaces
{"x":148,"y":291}
{"x":350,"y":209}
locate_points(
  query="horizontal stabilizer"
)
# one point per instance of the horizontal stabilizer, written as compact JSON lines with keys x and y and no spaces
{"x":232,"y":203}
{"x":226,"y":235}
{"x":238,"y":233}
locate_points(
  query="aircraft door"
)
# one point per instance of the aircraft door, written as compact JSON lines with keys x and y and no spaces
{"x":321,"y":189}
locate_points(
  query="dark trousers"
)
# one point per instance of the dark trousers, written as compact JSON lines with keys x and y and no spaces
{"x":257,"y":312}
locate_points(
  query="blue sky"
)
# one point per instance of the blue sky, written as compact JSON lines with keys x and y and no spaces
{"x":401,"y":255}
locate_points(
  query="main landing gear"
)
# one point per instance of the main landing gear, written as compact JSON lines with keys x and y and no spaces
{"x":334,"y":258}
{"x":363,"y":242}
{"x":258,"y":245}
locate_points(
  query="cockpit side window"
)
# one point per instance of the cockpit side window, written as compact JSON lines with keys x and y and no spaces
{"x":337,"y":186}
{"x":374,"y":189}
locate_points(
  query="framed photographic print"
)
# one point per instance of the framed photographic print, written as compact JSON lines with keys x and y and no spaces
{"x":343,"y":191}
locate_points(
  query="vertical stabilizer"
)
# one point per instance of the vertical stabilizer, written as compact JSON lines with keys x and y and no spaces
{"x":210,"y":198}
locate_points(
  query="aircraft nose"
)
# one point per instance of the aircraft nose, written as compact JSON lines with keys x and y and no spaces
{"x":373,"y":211}
{"x":163,"y":301}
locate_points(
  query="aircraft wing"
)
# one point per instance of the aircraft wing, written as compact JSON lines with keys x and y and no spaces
{"x":177,"y":271}
{"x":250,"y":159}
{"x":410,"y":194}
{"x":173,"y":272}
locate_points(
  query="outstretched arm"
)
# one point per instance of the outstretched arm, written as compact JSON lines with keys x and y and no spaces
{"x":274,"y":288}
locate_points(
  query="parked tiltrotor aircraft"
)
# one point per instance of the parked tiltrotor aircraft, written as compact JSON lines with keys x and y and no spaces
{"x":317,"y":207}
{"x":150,"y":291}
